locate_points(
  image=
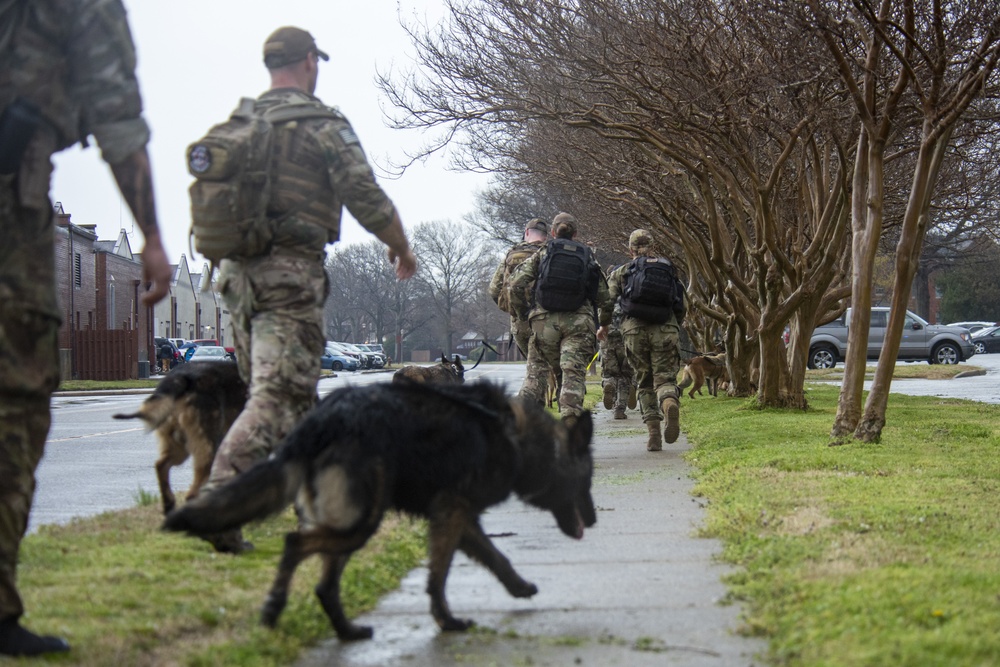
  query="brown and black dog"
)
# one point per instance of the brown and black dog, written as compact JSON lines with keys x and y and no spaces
{"x":446,"y":371}
{"x":446,"y":452}
{"x":191,"y":410}
{"x":707,"y":369}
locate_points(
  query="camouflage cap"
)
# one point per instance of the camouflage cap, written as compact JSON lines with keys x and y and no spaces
{"x":289,"y":45}
{"x":563,"y":226}
{"x":640,"y":238}
{"x":537,"y":224}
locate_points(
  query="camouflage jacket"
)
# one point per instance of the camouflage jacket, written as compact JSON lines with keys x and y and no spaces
{"x":320,"y":161}
{"x":499,"y":288}
{"x":74,"y":61}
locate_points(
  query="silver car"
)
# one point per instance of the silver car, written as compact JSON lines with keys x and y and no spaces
{"x":922,"y":341}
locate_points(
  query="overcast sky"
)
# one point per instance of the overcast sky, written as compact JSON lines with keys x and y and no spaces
{"x":197,"y":58}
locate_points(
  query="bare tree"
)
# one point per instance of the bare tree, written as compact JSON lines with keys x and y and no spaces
{"x":923,"y":66}
{"x":694,"y":118}
{"x":454,"y":260}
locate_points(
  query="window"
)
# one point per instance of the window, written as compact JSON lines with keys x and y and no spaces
{"x":77,"y":271}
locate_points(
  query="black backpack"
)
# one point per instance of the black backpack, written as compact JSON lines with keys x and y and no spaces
{"x":565,"y":276}
{"x":652,"y":292}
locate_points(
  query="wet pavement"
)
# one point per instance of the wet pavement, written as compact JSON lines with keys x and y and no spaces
{"x":639,"y":589}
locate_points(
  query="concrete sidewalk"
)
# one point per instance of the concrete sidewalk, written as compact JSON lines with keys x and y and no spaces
{"x":639,"y":589}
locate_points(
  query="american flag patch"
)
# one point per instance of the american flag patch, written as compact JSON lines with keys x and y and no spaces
{"x":348,"y":136}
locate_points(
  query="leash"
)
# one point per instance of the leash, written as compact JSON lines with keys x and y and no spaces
{"x":592,"y":361}
{"x":492,"y":349}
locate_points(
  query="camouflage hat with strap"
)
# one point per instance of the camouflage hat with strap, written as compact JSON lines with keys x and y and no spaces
{"x":289,"y":45}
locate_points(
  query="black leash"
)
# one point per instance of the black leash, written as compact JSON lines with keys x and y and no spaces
{"x":492,"y":349}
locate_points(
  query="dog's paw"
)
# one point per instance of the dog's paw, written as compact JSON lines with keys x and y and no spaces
{"x":524,"y":589}
{"x":353,"y":633}
{"x":272,"y":610}
{"x":452,"y":624}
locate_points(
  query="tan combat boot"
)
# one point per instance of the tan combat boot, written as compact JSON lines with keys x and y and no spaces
{"x":609,"y":395}
{"x":655,"y":442}
{"x":620,"y":413}
{"x":671,"y":414}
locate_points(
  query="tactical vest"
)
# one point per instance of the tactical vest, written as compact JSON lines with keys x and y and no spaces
{"x":566,"y":277}
{"x":651,"y":292}
{"x":233,"y":166}
{"x":515,"y":257}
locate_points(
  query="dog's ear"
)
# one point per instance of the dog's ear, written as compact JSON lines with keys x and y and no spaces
{"x":444,"y":359}
{"x":458,"y":364}
{"x":581,"y":430}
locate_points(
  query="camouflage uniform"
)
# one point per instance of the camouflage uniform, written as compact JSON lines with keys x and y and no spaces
{"x":653,"y":352}
{"x":559,"y":340}
{"x":74,"y":60}
{"x":617,"y":377}
{"x":520,"y":328}
{"x":276,"y":300}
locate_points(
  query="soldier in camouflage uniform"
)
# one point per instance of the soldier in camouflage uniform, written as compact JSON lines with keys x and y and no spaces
{"x":617,"y":378}
{"x":653,"y":351}
{"x":67,"y":70}
{"x":276,"y":300}
{"x":534,"y":238}
{"x":563,"y":340}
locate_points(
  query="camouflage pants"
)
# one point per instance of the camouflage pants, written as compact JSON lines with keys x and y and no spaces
{"x":564,"y":341}
{"x":29,"y":372}
{"x":653,"y":352}
{"x":615,"y":369}
{"x":276,"y":306}
{"x":521,"y":331}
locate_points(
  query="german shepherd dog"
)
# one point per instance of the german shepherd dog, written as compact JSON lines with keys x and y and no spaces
{"x":191,"y":410}
{"x":446,"y":371}
{"x":444,"y":452}
{"x":707,"y":369}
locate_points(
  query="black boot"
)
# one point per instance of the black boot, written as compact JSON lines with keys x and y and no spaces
{"x":15,"y":640}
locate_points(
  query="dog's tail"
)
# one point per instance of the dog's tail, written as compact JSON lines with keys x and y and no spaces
{"x":154,"y":411}
{"x":686,"y":379}
{"x":263,"y":490}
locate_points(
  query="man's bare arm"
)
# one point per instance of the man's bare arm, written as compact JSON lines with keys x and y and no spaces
{"x":135,"y":181}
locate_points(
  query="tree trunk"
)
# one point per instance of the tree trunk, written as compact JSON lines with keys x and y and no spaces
{"x":866,"y":222}
{"x":911,"y":240}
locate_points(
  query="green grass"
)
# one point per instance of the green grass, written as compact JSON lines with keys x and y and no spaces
{"x":106,"y":385}
{"x":864,"y":554}
{"x":124,"y":593}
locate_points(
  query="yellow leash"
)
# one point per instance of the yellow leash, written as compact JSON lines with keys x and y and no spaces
{"x":593,"y":360}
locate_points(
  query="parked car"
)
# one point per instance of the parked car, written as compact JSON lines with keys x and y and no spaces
{"x":178,"y":342}
{"x":973,"y":327}
{"x":937,"y":344}
{"x":209,"y":353}
{"x":335,"y":360}
{"x":366,"y":358}
{"x":377,"y":356}
{"x":986,"y":340}
{"x":341,"y":348}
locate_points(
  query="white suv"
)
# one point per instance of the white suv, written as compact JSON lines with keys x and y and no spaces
{"x":934,"y":343}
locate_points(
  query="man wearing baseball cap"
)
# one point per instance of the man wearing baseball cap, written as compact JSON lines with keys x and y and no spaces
{"x":276,"y":298}
{"x":651,"y":327}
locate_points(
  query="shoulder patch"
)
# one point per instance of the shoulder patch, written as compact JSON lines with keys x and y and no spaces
{"x":348,"y":136}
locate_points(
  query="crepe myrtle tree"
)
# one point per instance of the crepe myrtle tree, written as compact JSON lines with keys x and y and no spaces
{"x":912,"y":70}
{"x":697,"y":120}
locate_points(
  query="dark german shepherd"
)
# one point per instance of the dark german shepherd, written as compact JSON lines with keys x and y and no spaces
{"x":191,"y":410}
{"x":445,"y":452}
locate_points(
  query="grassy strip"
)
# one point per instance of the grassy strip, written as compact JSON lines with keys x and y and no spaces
{"x":865,"y":554}
{"x":107,"y":385}
{"x":122,"y":592}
